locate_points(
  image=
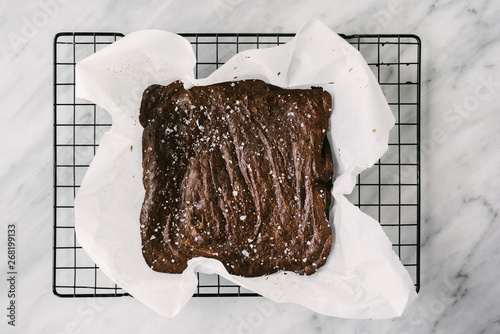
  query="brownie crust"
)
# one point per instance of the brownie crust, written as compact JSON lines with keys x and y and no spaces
{"x":236,"y":171}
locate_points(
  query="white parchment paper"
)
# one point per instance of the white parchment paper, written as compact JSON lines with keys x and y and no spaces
{"x":363,"y":277}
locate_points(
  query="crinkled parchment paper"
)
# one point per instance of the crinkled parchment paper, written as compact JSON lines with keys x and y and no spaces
{"x":363,"y":277}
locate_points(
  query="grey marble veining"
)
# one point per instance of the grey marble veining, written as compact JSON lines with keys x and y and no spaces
{"x":460,"y":159}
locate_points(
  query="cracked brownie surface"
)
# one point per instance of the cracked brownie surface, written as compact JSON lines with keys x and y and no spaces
{"x":236,"y":171}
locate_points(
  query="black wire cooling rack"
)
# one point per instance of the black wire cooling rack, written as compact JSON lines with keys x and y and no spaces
{"x":389,"y":191}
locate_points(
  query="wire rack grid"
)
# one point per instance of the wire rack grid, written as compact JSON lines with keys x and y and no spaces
{"x":389,"y":191}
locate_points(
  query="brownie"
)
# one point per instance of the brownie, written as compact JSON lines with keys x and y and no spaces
{"x":236,"y":171}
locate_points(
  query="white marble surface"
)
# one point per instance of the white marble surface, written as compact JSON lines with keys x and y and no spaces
{"x":460,"y":159}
